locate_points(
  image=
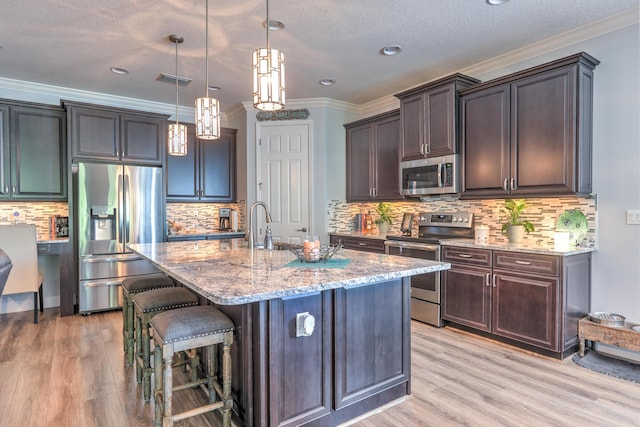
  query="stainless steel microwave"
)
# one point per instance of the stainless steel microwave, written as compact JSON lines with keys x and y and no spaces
{"x":435,"y":175}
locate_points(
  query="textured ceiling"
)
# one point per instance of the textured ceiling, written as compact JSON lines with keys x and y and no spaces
{"x":73,"y":43}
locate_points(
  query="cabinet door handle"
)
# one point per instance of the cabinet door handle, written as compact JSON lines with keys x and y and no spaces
{"x":427,"y":148}
{"x":465,"y":255}
{"x":494,"y":280}
{"x":421,"y":148}
{"x":375,"y":192}
{"x":488,"y":281}
{"x":513,"y":184}
{"x":523,"y":262}
{"x":13,"y":189}
{"x":505,"y":184}
{"x":6,"y":189}
{"x":362,"y":244}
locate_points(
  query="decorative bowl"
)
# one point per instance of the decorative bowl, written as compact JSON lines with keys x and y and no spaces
{"x":320,"y":254}
{"x":607,"y":319}
{"x":575,"y":223}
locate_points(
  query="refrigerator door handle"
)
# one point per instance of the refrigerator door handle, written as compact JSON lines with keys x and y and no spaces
{"x":127,"y":212}
{"x":110,"y":258}
{"x":121,"y":212}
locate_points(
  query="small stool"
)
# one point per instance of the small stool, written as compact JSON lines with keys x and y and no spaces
{"x":146,"y":305}
{"x":130,"y":287}
{"x":185,"y":329}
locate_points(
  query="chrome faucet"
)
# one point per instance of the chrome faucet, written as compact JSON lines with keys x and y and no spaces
{"x":249,"y":235}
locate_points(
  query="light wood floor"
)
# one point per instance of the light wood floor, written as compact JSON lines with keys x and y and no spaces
{"x":70,"y":372}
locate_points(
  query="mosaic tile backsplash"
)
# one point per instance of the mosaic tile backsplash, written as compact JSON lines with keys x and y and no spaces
{"x":542,"y":212}
{"x":208,"y":218}
{"x":37,"y":213}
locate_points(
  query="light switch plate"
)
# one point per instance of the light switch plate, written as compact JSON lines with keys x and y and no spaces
{"x":633,"y":216}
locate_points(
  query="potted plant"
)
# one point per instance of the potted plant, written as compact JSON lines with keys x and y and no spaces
{"x":515,"y":227}
{"x":384,"y":210}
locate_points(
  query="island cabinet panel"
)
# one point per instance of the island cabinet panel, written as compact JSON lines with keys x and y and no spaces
{"x":116,"y":135}
{"x":531,"y":300}
{"x":33,"y":152}
{"x":301,"y":370}
{"x":207,"y":172}
{"x":373,"y":165}
{"x":529,"y":133}
{"x":429,"y":118}
{"x":368,"y":358}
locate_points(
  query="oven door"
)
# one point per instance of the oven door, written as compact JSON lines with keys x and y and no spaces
{"x":425,"y":287}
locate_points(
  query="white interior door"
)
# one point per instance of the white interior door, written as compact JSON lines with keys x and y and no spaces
{"x":284,"y":179}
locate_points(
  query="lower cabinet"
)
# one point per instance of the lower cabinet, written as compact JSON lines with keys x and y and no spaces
{"x":530,"y":300}
{"x":358,"y":243}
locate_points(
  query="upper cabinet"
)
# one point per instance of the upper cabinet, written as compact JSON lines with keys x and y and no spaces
{"x":373,"y":158}
{"x":33,"y":151}
{"x":112,"y":134}
{"x":429,"y":118}
{"x":207,"y":172}
{"x":529,"y":134}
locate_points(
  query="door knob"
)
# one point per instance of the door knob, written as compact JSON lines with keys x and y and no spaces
{"x":303,"y":229}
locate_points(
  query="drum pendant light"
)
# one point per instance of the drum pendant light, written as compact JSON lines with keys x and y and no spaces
{"x":207,"y":109}
{"x":268,"y":76}
{"x":177,"y":133}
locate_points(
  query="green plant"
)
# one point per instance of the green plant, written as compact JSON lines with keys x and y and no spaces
{"x":513,"y":209}
{"x":384,"y":210}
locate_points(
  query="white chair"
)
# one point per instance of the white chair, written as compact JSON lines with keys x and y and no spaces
{"x":19,"y":243}
{"x":5,"y":268}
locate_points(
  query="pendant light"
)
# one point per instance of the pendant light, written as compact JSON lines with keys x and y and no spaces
{"x":177,"y":133}
{"x":207,"y":109}
{"x":268,"y":76}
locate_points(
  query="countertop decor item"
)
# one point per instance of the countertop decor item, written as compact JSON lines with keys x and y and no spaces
{"x":384,"y":210}
{"x":317,"y":254}
{"x":575,"y":223}
{"x":515,"y":227}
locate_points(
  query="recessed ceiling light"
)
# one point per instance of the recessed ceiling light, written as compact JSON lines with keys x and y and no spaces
{"x":327,"y":82}
{"x":118,"y":70}
{"x":215,"y":88}
{"x":496,"y":2}
{"x":274,"y":24}
{"x":391,"y":50}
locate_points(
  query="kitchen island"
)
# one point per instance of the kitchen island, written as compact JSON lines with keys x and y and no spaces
{"x":287,"y":372}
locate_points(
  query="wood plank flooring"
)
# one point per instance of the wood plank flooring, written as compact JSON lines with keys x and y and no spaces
{"x":70,"y":371}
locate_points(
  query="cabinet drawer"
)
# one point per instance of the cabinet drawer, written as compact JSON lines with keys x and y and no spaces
{"x":360,"y":244}
{"x":526,"y":263}
{"x":480,"y":257}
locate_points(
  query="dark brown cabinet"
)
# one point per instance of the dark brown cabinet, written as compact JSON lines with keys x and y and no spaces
{"x":529,"y":134}
{"x":358,"y":243}
{"x":429,"y":118}
{"x":33,"y":152}
{"x":372,"y":158}
{"x":207,"y":172}
{"x":530,"y":300}
{"x":111,"y":134}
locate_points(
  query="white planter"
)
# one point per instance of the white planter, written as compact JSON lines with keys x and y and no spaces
{"x":515,"y":233}
{"x":383,"y":227}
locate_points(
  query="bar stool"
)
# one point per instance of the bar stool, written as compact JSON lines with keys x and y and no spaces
{"x":130,"y":287}
{"x":185,"y":329}
{"x":146,"y":305}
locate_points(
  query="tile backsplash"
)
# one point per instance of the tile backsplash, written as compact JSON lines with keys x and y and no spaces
{"x":37,"y":213}
{"x":542,"y":212}
{"x":208,"y":219}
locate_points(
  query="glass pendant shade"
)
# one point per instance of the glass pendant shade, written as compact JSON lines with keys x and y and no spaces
{"x":268,"y":79}
{"x":177,"y":133}
{"x":177,"y":139}
{"x":207,"y":118}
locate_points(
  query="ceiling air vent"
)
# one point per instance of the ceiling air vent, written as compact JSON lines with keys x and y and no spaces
{"x":170,"y":78}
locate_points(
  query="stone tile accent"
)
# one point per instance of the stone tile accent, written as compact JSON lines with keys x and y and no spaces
{"x":207,"y":214}
{"x":37,"y":213}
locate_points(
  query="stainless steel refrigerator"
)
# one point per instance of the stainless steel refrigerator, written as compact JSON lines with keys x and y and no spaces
{"x":114,"y":205}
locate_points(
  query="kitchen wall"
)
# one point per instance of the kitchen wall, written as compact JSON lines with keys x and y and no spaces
{"x":542,"y":212}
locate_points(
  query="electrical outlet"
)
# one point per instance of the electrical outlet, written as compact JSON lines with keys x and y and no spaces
{"x":195,"y":214}
{"x":633,"y":216}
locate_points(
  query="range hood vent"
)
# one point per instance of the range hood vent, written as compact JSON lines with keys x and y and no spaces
{"x":170,"y":78}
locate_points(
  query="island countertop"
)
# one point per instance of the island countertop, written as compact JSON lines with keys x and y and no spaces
{"x":227,"y":273}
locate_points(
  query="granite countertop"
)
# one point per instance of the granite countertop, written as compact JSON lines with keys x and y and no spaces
{"x":360,"y":235}
{"x":228,"y":273}
{"x":525,"y":247}
{"x":206,"y":233}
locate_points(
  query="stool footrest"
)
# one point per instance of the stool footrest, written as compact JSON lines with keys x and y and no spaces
{"x":197,"y":411}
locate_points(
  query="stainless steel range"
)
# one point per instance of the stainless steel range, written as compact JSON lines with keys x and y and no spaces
{"x":433,"y":227}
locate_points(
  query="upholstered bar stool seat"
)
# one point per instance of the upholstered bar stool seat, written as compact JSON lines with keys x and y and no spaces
{"x":185,"y":329}
{"x":130,"y":287}
{"x":146,"y":305}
